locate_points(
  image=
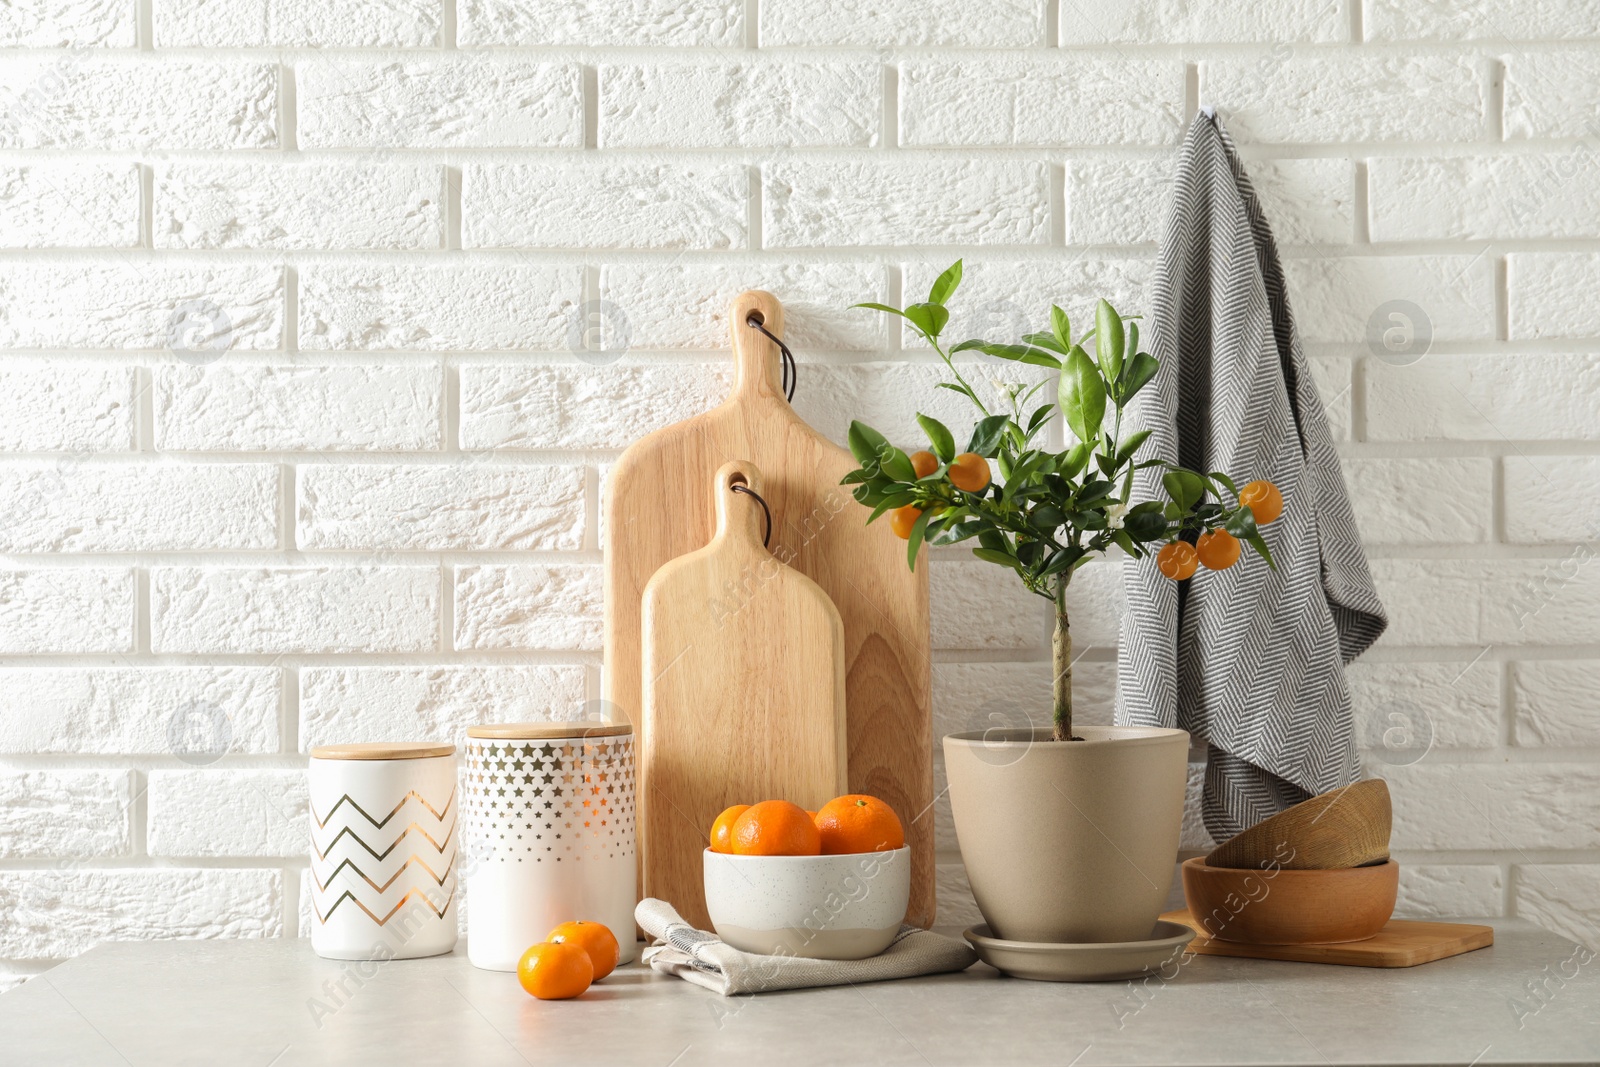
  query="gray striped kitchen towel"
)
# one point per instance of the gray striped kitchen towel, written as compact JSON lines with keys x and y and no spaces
{"x":1249,"y":659}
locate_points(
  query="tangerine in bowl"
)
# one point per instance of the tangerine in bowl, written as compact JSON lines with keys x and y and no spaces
{"x":833,"y":886}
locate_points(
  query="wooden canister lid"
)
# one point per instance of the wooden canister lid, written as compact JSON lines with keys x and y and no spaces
{"x":544,"y":731}
{"x":383,"y":750}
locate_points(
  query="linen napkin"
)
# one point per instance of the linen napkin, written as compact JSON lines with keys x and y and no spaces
{"x":708,"y":961}
{"x":1250,"y":659}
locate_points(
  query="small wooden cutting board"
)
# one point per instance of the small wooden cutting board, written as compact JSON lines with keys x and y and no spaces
{"x":657,"y":509}
{"x":743,"y":693}
{"x":1401,"y":943}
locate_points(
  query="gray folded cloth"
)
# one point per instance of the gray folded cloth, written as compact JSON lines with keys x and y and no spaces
{"x":706,"y":960}
{"x":1251,"y":660}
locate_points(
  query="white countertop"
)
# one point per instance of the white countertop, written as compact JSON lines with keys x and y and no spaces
{"x":250,"y":1004}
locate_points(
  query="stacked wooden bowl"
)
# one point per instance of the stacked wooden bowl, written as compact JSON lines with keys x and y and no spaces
{"x":1318,"y":873}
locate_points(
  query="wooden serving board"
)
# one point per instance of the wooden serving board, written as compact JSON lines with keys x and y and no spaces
{"x":658,"y":508}
{"x":743,"y":693}
{"x":1401,"y":943}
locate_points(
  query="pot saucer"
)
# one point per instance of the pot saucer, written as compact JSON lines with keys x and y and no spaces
{"x":1045,"y":961}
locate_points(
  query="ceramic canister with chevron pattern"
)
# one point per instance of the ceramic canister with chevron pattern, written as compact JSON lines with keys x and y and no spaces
{"x":383,"y":850}
{"x":549,"y":827}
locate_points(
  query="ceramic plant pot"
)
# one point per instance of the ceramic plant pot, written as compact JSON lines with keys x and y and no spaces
{"x":1069,"y":841}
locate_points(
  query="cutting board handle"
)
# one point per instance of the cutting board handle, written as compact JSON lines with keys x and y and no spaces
{"x":756,"y":359}
{"x":739,"y":517}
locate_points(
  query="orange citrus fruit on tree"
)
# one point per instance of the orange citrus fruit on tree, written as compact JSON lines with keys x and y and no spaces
{"x":1218,"y":550}
{"x":902,"y":519}
{"x":594,"y":938}
{"x":970,"y":473}
{"x":553,"y":970}
{"x":859,"y":823}
{"x":1264,"y":501}
{"x":924,"y":463}
{"x":722,"y":829}
{"x":1177,"y":560}
{"x":776,"y":828}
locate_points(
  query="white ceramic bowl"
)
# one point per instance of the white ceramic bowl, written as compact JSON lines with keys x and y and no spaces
{"x":822,"y":907}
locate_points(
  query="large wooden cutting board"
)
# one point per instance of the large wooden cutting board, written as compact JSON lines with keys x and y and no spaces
{"x":743,"y":693}
{"x":658,"y":507}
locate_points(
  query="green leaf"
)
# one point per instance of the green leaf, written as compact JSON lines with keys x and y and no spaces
{"x":1046,"y":517}
{"x":1145,"y":522}
{"x":866,"y":444}
{"x":986,"y":435}
{"x":1136,"y":375}
{"x":855,"y":477}
{"x":1073,"y":460}
{"x":1045,"y":340}
{"x":880,"y":307}
{"x":1132,"y":348}
{"x":1082,"y":395}
{"x":944,"y":286}
{"x":1005,"y":559}
{"x":897,"y":465}
{"x":1061,"y":327}
{"x":1020,"y":354}
{"x":944,"y":444}
{"x":1184,"y":487}
{"x":889,"y":503}
{"x":1218,"y":476}
{"x":992,"y":539}
{"x":1036,"y":420}
{"x":929,"y":318}
{"x":1242,"y":524}
{"x":1061,"y":560}
{"x":1256,"y":542}
{"x":1130,"y":445}
{"x":969,"y":345}
{"x":1108,"y":340}
{"x":914,"y":542}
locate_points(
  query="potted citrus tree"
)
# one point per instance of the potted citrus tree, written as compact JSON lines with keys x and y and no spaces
{"x":1068,"y":832}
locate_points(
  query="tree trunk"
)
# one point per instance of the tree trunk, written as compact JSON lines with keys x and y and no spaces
{"x":1061,"y":659}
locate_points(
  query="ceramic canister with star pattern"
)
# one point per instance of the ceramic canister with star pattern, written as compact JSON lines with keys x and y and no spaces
{"x":548,"y":814}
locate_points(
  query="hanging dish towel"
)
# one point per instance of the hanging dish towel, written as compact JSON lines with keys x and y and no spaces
{"x":1250,"y":659}
{"x":705,"y":960}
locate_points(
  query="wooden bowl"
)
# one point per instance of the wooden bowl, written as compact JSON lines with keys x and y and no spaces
{"x":1289,"y":907}
{"x":1348,"y":827}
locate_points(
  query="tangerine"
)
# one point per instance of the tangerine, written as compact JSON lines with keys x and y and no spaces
{"x":1218,"y":550}
{"x":924,"y":463}
{"x":555,"y":970}
{"x":901,"y":520}
{"x":859,"y":823}
{"x":722,"y":829}
{"x":1177,"y":560}
{"x":969,"y":472}
{"x":594,"y":938}
{"x":776,"y":828}
{"x":1263,"y":499}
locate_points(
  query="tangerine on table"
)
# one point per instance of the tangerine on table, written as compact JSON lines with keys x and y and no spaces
{"x":594,"y":938}
{"x":1264,"y":501}
{"x":1218,"y":550}
{"x":1177,"y":560}
{"x":901,"y":520}
{"x":722,"y":829}
{"x":776,"y":828}
{"x":969,"y":472}
{"x":555,"y":970}
{"x":924,"y":463}
{"x":859,"y":823}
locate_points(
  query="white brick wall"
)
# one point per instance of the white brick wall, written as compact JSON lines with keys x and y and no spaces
{"x":321,"y":326}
